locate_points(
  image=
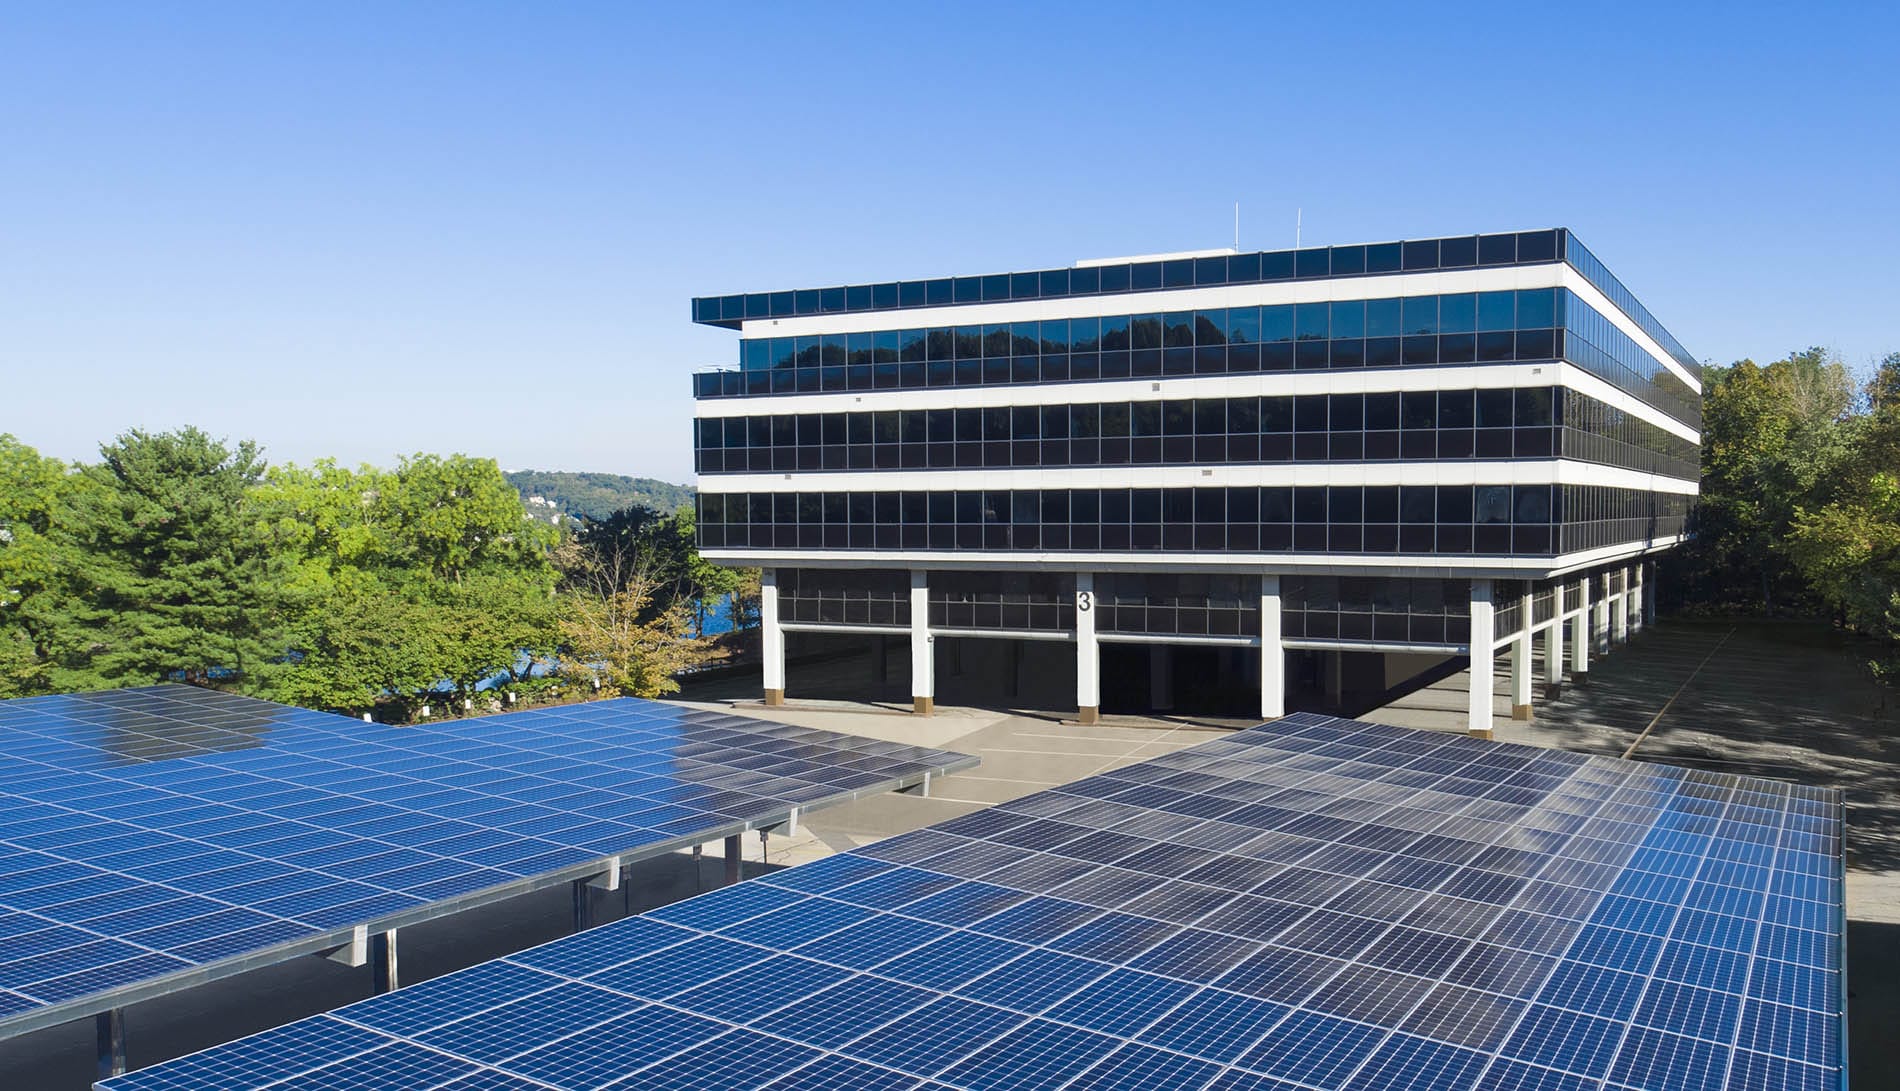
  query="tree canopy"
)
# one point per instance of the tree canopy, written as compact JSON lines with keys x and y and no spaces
{"x":177,"y":555}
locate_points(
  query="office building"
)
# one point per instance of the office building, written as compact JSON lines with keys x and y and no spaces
{"x":1206,"y":478}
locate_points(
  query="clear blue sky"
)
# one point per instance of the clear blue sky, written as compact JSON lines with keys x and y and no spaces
{"x":365,"y":229}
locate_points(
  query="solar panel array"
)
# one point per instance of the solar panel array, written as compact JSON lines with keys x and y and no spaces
{"x":149,"y":835}
{"x":1314,"y":903}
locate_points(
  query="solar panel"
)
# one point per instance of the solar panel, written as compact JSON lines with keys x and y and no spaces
{"x":1311,"y":904}
{"x":169,"y":834}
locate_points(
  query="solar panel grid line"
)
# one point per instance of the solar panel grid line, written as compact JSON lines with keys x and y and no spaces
{"x":1614,"y":1050}
{"x":326,"y":912}
{"x":905,"y":884}
{"x":1021,"y":1010}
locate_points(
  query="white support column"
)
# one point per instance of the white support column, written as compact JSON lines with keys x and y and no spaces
{"x":1554,"y":645}
{"x":1521,"y":660}
{"x":1482,"y":631}
{"x":923,"y":650}
{"x":1272,"y":653}
{"x":771,"y":638}
{"x":1638,"y":608}
{"x":1603,"y":617}
{"x":1620,"y":617}
{"x":1088,"y":653}
{"x":1649,"y":596}
{"x":1580,"y":634}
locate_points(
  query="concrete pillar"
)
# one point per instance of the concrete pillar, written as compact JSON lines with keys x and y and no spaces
{"x":1272,"y":653}
{"x":1639,"y":612}
{"x":1160,"y":677}
{"x":1602,"y":623}
{"x":1088,"y":652}
{"x":1649,"y":596}
{"x":1521,"y":660}
{"x":1554,"y":646}
{"x":734,"y":851}
{"x":1482,"y":628}
{"x":1620,"y":617}
{"x":771,"y":638}
{"x":1580,"y":634}
{"x":110,"y":1028}
{"x":384,"y":975}
{"x":923,"y":649}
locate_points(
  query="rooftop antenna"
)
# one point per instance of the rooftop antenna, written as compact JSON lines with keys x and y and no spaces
{"x":1236,"y":227}
{"x":1299,"y":217}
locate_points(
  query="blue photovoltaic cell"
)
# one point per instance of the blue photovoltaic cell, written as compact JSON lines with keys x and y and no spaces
{"x":149,"y":832}
{"x":1466,"y":915}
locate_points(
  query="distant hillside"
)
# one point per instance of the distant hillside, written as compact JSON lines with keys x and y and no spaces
{"x":593,"y":496}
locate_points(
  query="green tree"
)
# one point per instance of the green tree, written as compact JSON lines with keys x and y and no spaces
{"x":34,"y":495}
{"x":494,"y":624}
{"x":371,"y":646}
{"x":669,"y":560}
{"x":455,"y":515}
{"x":166,"y":570}
{"x":614,"y":638}
{"x":1849,"y":552}
{"x":1774,"y":440}
{"x":439,"y":551}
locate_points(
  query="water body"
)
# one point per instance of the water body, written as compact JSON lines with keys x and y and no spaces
{"x":718,"y":616}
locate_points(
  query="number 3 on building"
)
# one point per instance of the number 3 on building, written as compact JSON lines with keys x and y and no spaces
{"x":1085,"y":601}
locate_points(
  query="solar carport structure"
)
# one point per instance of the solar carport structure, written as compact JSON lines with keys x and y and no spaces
{"x":1315,"y":903}
{"x":153,"y":839}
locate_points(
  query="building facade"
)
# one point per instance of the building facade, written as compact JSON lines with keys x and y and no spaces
{"x":1268,"y":470}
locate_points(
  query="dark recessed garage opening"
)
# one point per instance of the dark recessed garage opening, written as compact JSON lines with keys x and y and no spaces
{"x":1185,"y":679}
{"x":847,"y":667}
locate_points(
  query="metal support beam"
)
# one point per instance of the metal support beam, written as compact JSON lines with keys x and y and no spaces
{"x":384,"y":975}
{"x":1483,"y":629}
{"x":609,"y":879}
{"x":583,"y":904}
{"x":353,"y":953}
{"x":1272,"y":652}
{"x":733,"y":845}
{"x":110,"y":1026}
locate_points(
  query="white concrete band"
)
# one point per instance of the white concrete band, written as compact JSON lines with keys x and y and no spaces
{"x":1328,"y":290}
{"x":1154,"y":389}
{"x":1411,"y":564}
{"x":1545,"y":471}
